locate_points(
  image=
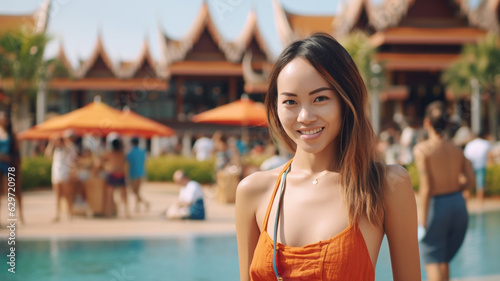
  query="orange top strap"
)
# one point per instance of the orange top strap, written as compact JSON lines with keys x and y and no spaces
{"x":276,"y":187}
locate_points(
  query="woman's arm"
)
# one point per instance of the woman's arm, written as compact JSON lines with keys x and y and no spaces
{"x":247,"y":229}
{"x":424,"y":193}
{"x":400,"y":223}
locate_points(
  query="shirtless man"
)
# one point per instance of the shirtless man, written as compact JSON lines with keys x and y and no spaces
{"x":444,"y":174}
{"x":115,"y":165}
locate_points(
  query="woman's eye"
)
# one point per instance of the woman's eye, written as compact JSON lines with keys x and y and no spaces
{"x":289,"y":102}
{"x":322,"y":98}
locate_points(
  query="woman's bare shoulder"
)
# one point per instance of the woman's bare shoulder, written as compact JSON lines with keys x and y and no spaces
{"x":398,"y":190}
{"x":397,"y":177}
{"x":259,"y":182}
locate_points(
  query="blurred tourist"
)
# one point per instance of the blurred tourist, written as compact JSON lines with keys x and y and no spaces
{"x":388,"y":148}
{"x":115,"y":165}
{"x":64,"y":156}
{"x":407,"y":141}
{"x":222,"y":151}
{"x":203,"y":148}
{"x":136,"y":159}
{"x":84,"y":170}
{"x":10,"y":158}
{"x":190,"y":202}
{"x":273,"y":162}
{"x":443,"y":212}
{"x":242,"y":143}
{"x":463,"y":135}
{"x":477,"y":152}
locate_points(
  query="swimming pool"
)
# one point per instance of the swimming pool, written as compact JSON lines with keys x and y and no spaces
{"x":199,"y":258}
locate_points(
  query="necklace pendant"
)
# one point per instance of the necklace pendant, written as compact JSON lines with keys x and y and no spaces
{"x":315,"y":181}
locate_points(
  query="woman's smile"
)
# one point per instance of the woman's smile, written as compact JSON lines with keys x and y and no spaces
{"x":310,"y":133}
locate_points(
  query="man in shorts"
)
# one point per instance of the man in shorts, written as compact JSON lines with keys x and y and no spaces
{"x":115,"y":165}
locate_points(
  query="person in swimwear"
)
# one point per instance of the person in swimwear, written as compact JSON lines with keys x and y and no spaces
{"x":444,"y":174}
{"x":10,"y":161}
{"x":64,"y":155}
{"x":322,"y":216}
{"x":115,"y":164}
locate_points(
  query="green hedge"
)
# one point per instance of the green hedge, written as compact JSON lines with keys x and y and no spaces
{"x":162,"y":168}
{"x":413,"y":171}
{"x":36,"y":173}
{"x":492,"y":184}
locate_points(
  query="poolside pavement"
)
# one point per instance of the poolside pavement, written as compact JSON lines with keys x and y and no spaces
{"x":39,"y":210}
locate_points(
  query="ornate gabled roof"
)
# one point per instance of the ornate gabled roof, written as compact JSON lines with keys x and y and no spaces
{"x":348,"y":17}
{"x":34,"y":22}
{"x":249,"y":75}
{"x":143,"y":60}
{"x":249,"y":32}
{"x":485,"y":16}
{"x":41,"y":16}
{"x":285,"y":31}
{"x":380,"y":17}
{"x":61,"y":57}
{"x":388,"y":14}
{"x":176,"y":50}
{"x":98,"y":53}
{"x":162,"y":66}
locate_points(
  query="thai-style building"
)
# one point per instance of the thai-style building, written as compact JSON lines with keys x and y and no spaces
{"x":33,"y":22}
{"x":416,"y":40}
{"x":415,"y":44}
{"x":198,"y":72}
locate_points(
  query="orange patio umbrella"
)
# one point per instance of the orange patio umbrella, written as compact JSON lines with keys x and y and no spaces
{"x":99,"y":119}
{"x":243,"y":112}
{"x":34,"y":133}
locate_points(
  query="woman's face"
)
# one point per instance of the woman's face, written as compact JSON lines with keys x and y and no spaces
{"x":308,"y":107}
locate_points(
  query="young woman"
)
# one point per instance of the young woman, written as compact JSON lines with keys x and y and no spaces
{"x":64,"y":155}
{"x":323,"y":215}
{"x":10,"y":161}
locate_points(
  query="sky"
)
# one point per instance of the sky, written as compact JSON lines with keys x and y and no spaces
{"x":125,"y":24}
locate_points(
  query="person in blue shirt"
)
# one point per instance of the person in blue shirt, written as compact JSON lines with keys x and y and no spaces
{"x":136,"y":159}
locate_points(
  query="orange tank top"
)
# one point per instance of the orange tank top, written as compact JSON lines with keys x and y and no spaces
{"x":342,"y":257}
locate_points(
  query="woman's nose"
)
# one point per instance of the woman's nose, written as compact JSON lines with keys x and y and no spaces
{"x":306,"y":115}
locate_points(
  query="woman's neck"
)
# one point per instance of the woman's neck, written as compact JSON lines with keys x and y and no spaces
{"x":314,"y":163}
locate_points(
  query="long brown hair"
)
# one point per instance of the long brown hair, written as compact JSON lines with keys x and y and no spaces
{"x":362,"y":175}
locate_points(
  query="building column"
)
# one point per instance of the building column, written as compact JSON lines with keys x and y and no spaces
{"x":475,"y":106}
{"x":41,"y":99}
{"x":233,"y":89}
{"x":179,"y":91}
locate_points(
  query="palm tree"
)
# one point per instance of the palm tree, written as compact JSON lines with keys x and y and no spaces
{"x":363,"y":53}
{"x":477,"y":69}
{"x":22,"y":64}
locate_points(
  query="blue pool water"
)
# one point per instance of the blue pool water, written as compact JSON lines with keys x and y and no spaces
{"x":200,"y":258}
